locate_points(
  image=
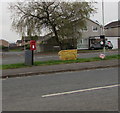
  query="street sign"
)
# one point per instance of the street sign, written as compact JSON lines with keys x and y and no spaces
{"x":102,"y":56}
{"x":32,"y":45}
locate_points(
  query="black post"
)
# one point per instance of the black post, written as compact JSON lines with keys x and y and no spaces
{"x":103,"y":39}
{"x":32,"y":57}
{"x":89,"y":43}
{"x":118,"y":43}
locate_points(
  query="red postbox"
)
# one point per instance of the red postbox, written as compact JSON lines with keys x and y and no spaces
{"x":32,"y":45}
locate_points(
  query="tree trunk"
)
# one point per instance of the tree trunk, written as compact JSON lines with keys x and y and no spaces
{"x":56,"y":36}
{"x":54,"y":30}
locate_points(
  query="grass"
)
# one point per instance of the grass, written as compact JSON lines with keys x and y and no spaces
{"x":15,"y":50}
{"x":53,"y":62}
{"x":12,"y":66}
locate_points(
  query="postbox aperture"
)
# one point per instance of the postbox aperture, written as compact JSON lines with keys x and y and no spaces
{"x":32,"y":45}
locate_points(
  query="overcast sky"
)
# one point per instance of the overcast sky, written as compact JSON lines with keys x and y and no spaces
{"x":110,"y":9}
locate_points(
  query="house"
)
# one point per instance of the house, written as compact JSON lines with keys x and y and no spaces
{"x":93,"y":29}
{"x":4,"y":43}
{"x":19,"y":43}
{"x":12,"y":45}
{"x":112,"y":32}
{"x":112,"y":29}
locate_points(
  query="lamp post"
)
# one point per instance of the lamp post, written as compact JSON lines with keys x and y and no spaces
{"x":102,"y":36}
{"x":103,"y":30}
{"x":103,"y":17}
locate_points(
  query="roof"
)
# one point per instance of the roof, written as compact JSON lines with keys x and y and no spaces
{"x":94,"y":21}
{"x":113,"y":24}
{"x":4,"y":40}
{"x":19,"y":41}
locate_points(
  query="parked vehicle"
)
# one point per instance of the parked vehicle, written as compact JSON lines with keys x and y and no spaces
{"x":99,"y":45}
{"x":108,"y":45}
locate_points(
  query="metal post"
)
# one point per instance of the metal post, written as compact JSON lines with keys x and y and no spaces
{"x":24,"y":43}
{"x":103,"y":31}
{"x":118,"y":45}
{"x":32,"y":57}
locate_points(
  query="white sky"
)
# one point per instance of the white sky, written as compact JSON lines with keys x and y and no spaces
{"x":110,"y":9}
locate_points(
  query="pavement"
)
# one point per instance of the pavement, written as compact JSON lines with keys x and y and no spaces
{"x":37,"y":70}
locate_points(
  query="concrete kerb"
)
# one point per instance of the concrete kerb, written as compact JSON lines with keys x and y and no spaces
{"x":50,"y":72}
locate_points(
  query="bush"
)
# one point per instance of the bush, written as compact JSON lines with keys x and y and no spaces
{"x":27,"y":46}
{"x":3,"y":48}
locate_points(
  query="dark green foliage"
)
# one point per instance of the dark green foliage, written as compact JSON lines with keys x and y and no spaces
{"x":27,"y":46}
{"x":4,"y":48}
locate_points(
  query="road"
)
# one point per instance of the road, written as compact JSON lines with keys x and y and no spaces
{"x":18,"y":57}
{"x":89,"y":90}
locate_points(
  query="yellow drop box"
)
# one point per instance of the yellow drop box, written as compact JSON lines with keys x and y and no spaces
{"x":68,"y":54}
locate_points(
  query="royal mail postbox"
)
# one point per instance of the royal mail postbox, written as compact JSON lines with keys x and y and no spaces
{"x":32,"y":45}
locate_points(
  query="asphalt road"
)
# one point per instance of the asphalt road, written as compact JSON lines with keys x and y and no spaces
{"x":19,"y":57}
{"x":90,"y":90}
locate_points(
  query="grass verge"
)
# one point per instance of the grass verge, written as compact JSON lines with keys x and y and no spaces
{"x":53,"y":62}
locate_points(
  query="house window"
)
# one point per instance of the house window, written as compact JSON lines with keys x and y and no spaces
{"x":81,"y":41}
{"x":95,"y":29}
{"x":85,"y":29}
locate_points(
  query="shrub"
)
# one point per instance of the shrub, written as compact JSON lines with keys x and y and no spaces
{"x":3,"y":48}
{"x":27,"y":46}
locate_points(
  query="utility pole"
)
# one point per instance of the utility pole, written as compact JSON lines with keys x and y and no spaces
{"x":103,"y":30}
{"x":24,"y":43}
{"x":102,"y":36}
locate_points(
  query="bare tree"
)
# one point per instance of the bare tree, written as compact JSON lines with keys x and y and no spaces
{"x":64,"y":19}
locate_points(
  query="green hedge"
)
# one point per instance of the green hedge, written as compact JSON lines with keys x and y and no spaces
{"x":3,"y":48}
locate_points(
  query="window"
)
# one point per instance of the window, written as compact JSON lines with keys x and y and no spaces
{"x":95,"y":29}
{"x":85,"y":29}
{"x":81,"y":41}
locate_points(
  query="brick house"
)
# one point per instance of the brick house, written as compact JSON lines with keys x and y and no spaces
{"x":4,"y":43}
